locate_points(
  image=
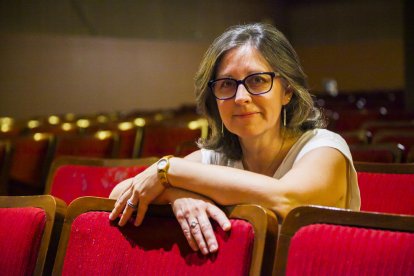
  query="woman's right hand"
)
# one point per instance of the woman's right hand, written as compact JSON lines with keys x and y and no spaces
{"x":193,"y":212}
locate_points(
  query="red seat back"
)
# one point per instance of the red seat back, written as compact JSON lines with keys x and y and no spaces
{"x":92,"y":245}
{"x":30,"y":161}
{"x":386,"y":192}
{"x":160,"y":140}
{"x":72,"y":177}
{"x":102,"y":144}
{"x":328,"y":249}
{"x":29,"y":229}
{"x":19,"y":244}
{"x":157,"y":247}
{"x":73,"y":181}
{"x":380,"y":153}
{"x":317,"y":240}
{"x":387,"y":188}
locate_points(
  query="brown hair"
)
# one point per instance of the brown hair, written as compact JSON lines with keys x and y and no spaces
{"x":279,"y":53}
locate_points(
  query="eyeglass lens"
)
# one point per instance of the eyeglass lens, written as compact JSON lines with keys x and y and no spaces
{"x":255,"y":84}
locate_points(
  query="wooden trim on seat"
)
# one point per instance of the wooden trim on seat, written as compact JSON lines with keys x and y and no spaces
{"x":55,"y":210}
{"x":97,"y":162}
{"x":263,"y":221}
{"x":397,"y":168}
{"x":306,"y":215}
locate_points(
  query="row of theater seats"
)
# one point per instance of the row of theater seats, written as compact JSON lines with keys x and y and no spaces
{"x":26,"y":157}
{"x":41,"y":236}
{"x":375,"y":124}
{"x":312,"y":240}
{"x":382,"y":141}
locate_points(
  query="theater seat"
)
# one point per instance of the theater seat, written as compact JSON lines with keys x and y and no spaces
{"x":92,"y":245}
{"x":29,"y":229}
{"x":387,"y":188}
{"x":71,"y":177}
{"x":316,"y":240}
{"x":380,"y":153}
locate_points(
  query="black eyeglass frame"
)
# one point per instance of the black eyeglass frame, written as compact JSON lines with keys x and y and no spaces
{"x":238,"y":82}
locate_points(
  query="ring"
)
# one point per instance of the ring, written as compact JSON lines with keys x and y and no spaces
{"x":193,"y":224}
{"x":132,"y":205}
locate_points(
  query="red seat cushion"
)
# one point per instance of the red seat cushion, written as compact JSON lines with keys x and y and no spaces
{"x":21,"y":231}
{"x":387,"y":193}
{"x":157,"y":247}
{"x":322,"y":249}
{"x":73,"y":181}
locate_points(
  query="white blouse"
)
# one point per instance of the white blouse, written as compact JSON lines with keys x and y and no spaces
{"x":310,"y":140}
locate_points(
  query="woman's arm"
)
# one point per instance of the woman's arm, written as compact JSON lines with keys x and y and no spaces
{"x":319,"y":177}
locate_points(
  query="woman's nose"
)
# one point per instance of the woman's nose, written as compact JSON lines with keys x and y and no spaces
{"x":242,"y":95}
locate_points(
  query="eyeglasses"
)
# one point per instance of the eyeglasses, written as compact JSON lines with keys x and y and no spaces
{"x":255,"y":84}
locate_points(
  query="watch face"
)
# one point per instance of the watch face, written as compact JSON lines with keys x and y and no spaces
{"x":162,"y":164}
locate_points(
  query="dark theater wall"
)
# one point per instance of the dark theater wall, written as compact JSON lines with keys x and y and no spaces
{"x":94,"y":56}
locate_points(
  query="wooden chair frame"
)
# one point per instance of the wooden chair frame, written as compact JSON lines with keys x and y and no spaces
{"x":96,"y":162}
{"x":307,"y":215}
{"x":55,"y":210}
{"x":264,"y":223}
{"x":396,"y":168}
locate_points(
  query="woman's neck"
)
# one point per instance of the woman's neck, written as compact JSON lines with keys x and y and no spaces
{"x":264,"y":156}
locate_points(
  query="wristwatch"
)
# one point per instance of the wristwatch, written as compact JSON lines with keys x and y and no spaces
{"x":162,"y":170}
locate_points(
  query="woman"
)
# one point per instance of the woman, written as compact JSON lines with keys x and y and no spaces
{"x":265,"y":146}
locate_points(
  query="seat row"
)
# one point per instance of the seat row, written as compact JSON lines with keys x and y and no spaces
{"x":26,"y":160}
{"x":384,"y":187}
{"x":382,"y":141}
{"x":89,"y":242}
{"x":42,"y":236}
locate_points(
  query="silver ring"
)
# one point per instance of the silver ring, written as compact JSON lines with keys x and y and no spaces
{"x":132,"y":205}
{"x":193,"y":224}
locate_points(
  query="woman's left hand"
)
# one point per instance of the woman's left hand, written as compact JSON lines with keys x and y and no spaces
{"x":193,"y":212}
{"x":138,"y":194}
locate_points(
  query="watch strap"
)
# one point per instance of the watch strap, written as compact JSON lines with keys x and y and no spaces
{"x":163,"y":173}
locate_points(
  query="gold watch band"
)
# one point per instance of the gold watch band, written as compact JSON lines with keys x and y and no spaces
{"x":162,"y":170}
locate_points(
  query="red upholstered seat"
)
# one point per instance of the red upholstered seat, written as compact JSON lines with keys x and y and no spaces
{"x":92,"y":245}
{"x":73,"y":177}
{"x":5,"y":154}
{"x":386,"y":188}
{"x":317,"y":240}
{"x":19,"y":245}
{"x":168,"y":137}
{"x":30,"y":161}
{"x":26,"y":241}
{"x":388,"y":193}
{"x":381,"y":153}
{"x":327,"y":249}
{"x":101,"y":144}
{"x":152,"y":249}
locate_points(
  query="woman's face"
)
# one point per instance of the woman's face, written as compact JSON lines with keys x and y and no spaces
{"x":246,"y":115}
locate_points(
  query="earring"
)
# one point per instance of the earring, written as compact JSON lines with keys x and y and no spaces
{"x":222,"y":129}
{"x":284,"y":116}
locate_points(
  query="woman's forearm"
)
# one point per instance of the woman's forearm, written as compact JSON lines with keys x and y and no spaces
{"x":224,"y":185}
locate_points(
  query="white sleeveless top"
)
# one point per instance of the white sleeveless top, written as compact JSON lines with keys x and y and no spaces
{"x":310,"y":140}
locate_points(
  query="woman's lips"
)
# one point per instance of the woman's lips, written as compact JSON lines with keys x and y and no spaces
{"x":245,"y":114}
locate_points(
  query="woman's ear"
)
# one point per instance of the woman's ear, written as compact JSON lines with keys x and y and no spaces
{"x":287,"y":95}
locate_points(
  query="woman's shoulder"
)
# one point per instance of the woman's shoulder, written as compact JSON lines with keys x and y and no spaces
{"x":317,"y":138}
